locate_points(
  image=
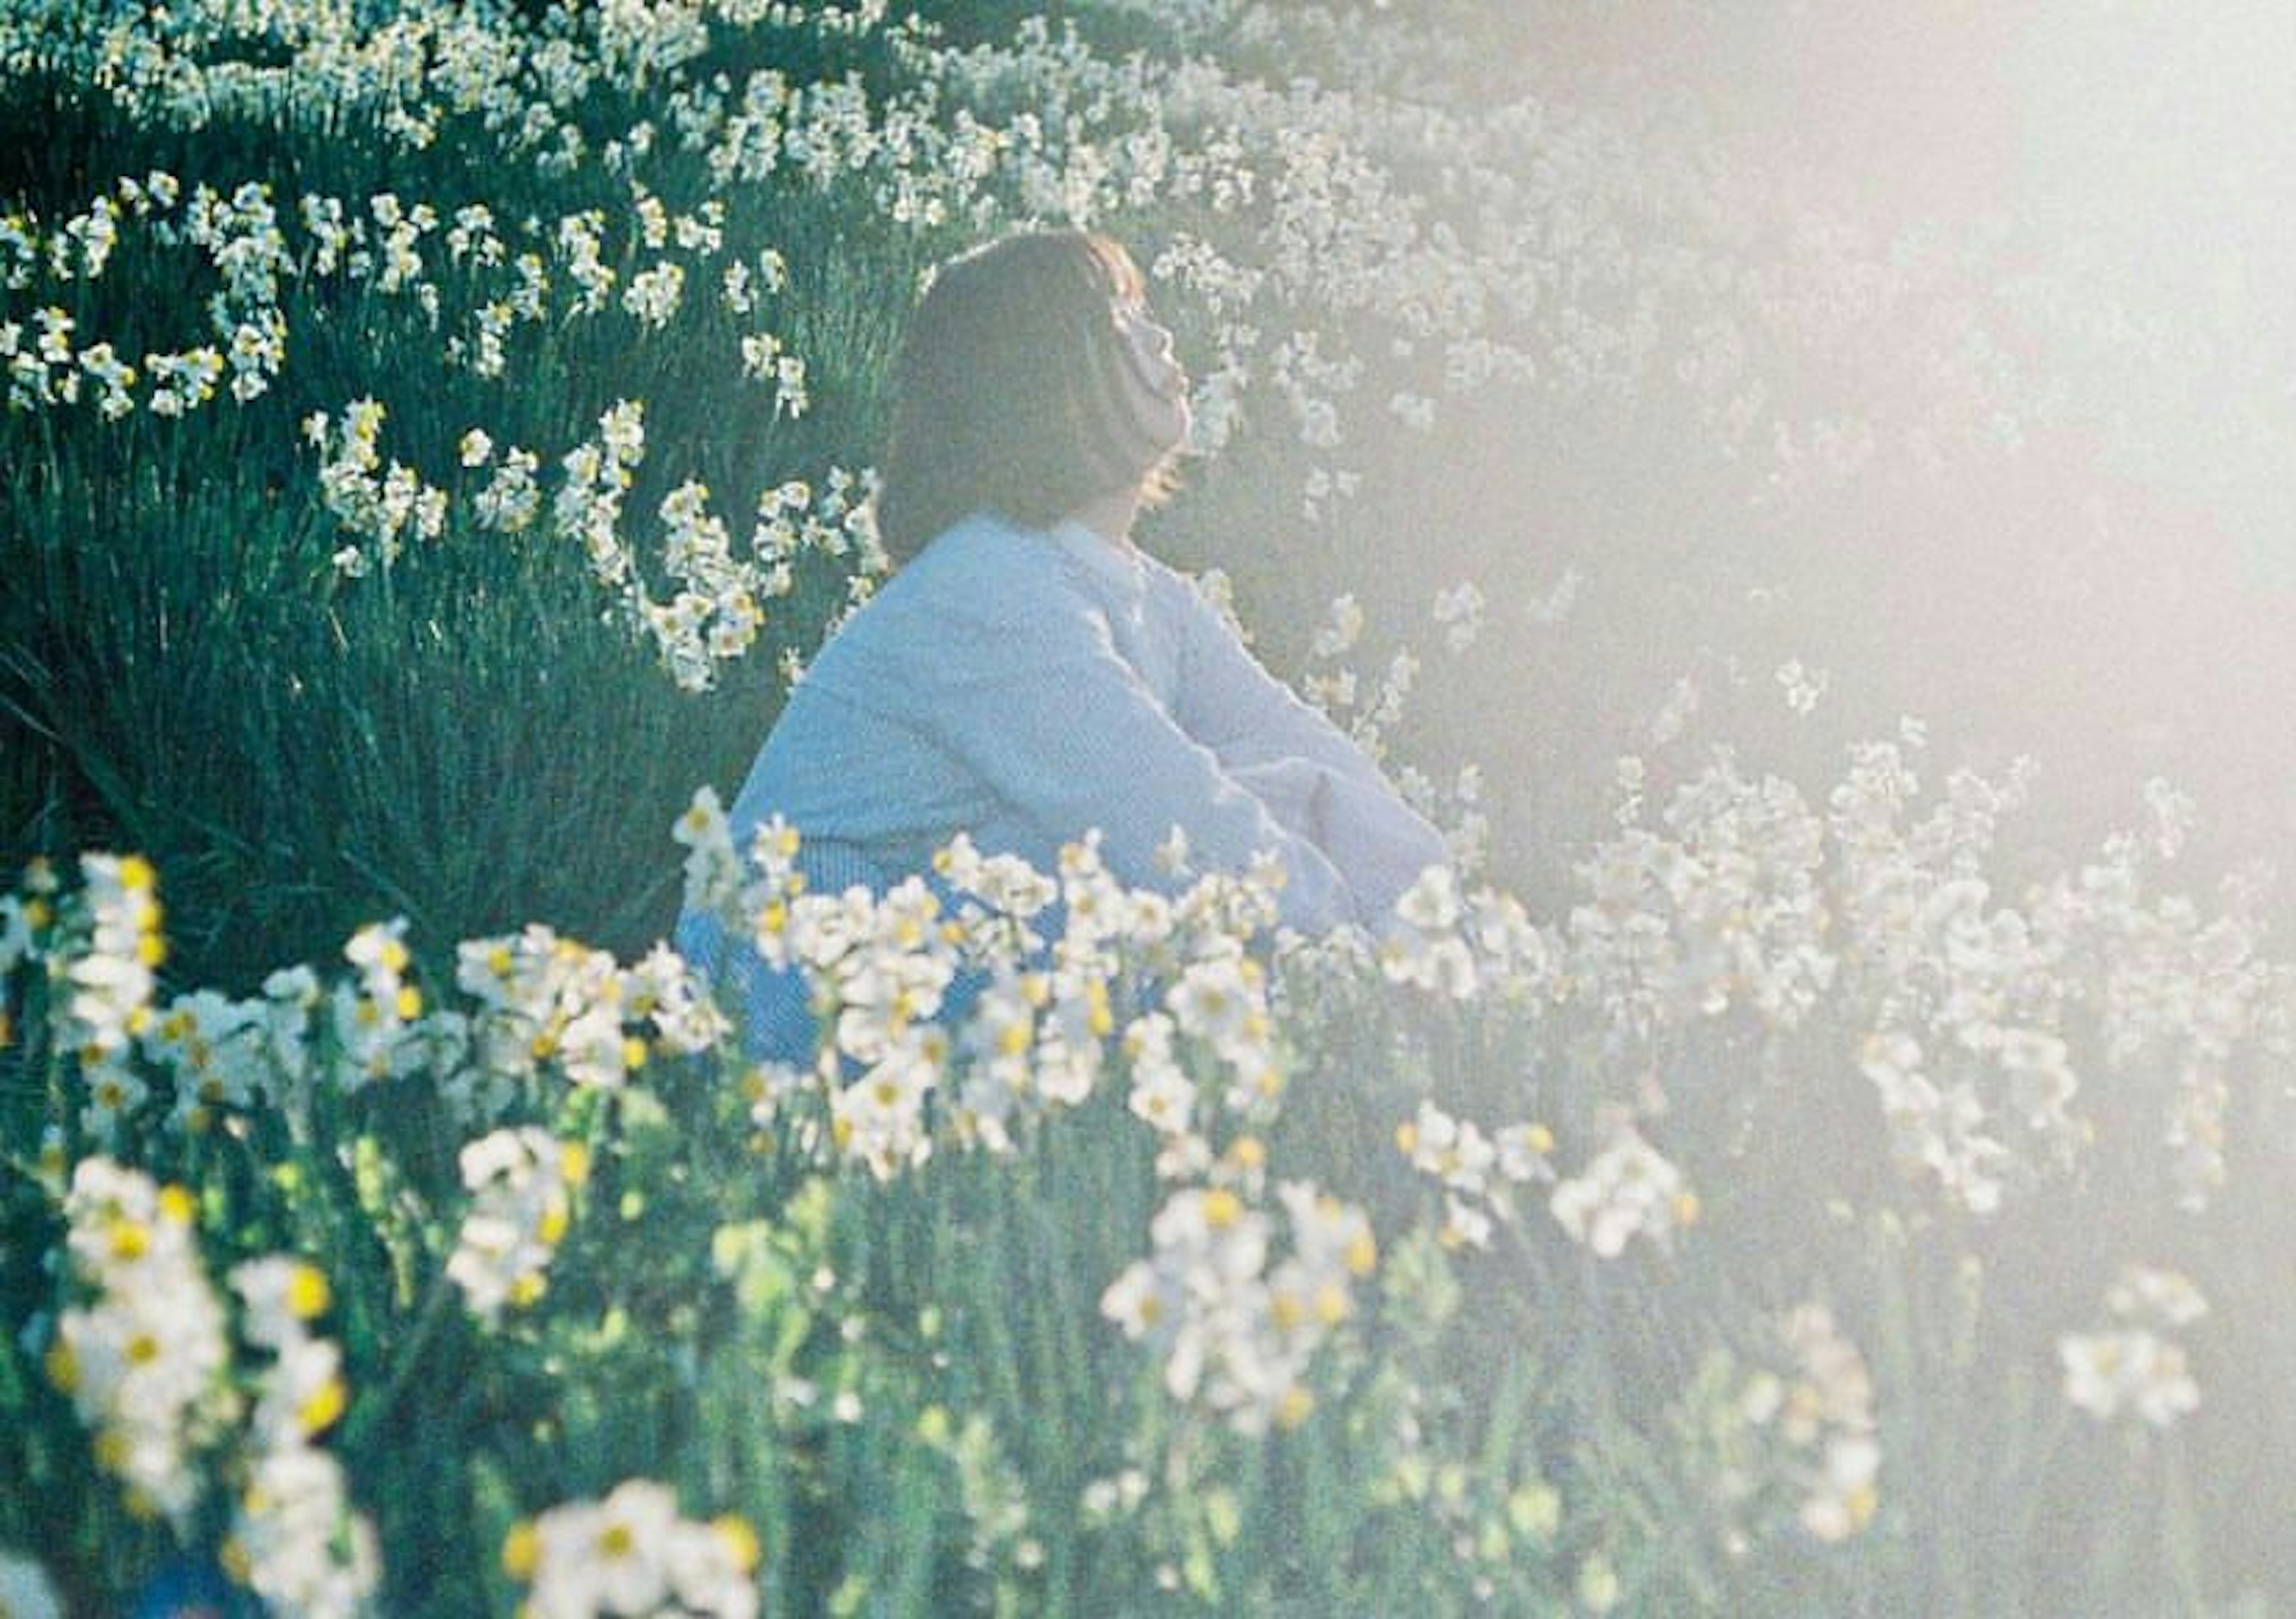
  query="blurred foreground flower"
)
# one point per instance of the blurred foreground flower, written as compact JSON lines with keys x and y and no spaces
{"x":523,"y":1181}
{"x":1629,"y":1190}
{"x":26,"y":1591}
{"x":295,"y":1542}
{"x":632,"y":1554}
{"x":1236,"y":1333}
{"x":144,"y":1362}
{"x":2133,"y":1368}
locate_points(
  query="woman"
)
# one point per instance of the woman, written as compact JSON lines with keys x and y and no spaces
{"x":1027,"y":672}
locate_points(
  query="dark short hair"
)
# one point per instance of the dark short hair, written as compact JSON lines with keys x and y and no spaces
{"x":1007,"y":392}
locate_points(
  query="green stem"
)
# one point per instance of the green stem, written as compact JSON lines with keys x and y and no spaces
{"x":369,"y":1414}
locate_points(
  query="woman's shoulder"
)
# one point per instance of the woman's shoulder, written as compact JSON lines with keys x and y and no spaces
{"x":979,"y":580}
{"x":983,"y":570}
{"x":1183,"y":600}
{"x":984,"y":549}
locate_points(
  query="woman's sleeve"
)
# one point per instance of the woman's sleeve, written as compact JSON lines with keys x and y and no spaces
{"x":1252,"y":720}
{"x":1035,"y":698}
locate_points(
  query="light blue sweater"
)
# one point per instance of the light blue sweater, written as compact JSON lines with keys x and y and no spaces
{"x":1024,"y":687}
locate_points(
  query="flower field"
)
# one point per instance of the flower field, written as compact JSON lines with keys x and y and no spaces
{"x":1847,"y":1170}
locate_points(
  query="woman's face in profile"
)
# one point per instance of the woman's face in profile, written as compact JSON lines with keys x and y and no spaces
{"x":1155,"y":387}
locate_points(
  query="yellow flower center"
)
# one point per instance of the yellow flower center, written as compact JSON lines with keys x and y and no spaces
{"x":740,"y":1541}
{"x":321,"y":1409}
{"x":521,"y":1550}
{"x":306,"y":1293}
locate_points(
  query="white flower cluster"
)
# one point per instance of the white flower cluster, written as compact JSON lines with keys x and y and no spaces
{"x":523,"y":1183}
{"x":1481,"y":946}
{"x":1528,"y":265}
{"x":1458,"y":613}
{"x":1799,"y":1431}
{"x":1424,"y":946}
{"x":1044,"y":1023}
{"x":1825,"y":1415}
{"x":1235,"y":1333}
{"x":539,"y":1000}
{"x":378,"y":1019}
{"x":588,"y":505}
{"x":112,"y":945}
{"x":1804,"y":687}
{"x":2133,"y":1368}
{"x":633,"y":1554}
{"x":1725,"y":911}
{"x":295,"y":1540}
{"x":713,"y":613}
{"x":1975,"y":1000}
{"x":1475,"y":1170}
{"x":1628,"y":1189}
{"x":226,"y":1055}
{"x":544,"y":999}
{"x":244,"y":246}
{"x":511,"y":499}
{"x":373,"y":502}
{"x":144,"y":1363}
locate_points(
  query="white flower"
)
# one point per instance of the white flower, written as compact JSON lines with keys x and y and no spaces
{"x":1459,"y":611}
{"x":2127,"y":1371}
{"x":2162,"y":1298}
{"x":1219,"y":1001}
{"x":2134,"y":1366}
{"x":26,"y":1591}
{"x":633,"y":1554}
{"x":522,"y":1183}
{"x":1423,"y":946}
{"x":302,"y":1548}
{"x":1628,"y":1191}
{"x":1341,"y":631}
{"x":144,"y":1361}
{"x":1804,"y":687}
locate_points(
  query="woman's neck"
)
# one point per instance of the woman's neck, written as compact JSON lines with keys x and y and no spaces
{"x":1110,"y":517}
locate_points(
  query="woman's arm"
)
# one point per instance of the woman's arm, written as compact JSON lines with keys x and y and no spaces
{"x":1032,"y":694}
{"x":1231,"y":703}
{"x":1255,"y":724}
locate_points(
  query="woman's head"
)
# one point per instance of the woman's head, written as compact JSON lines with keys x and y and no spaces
{"x":1031,"y":381}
